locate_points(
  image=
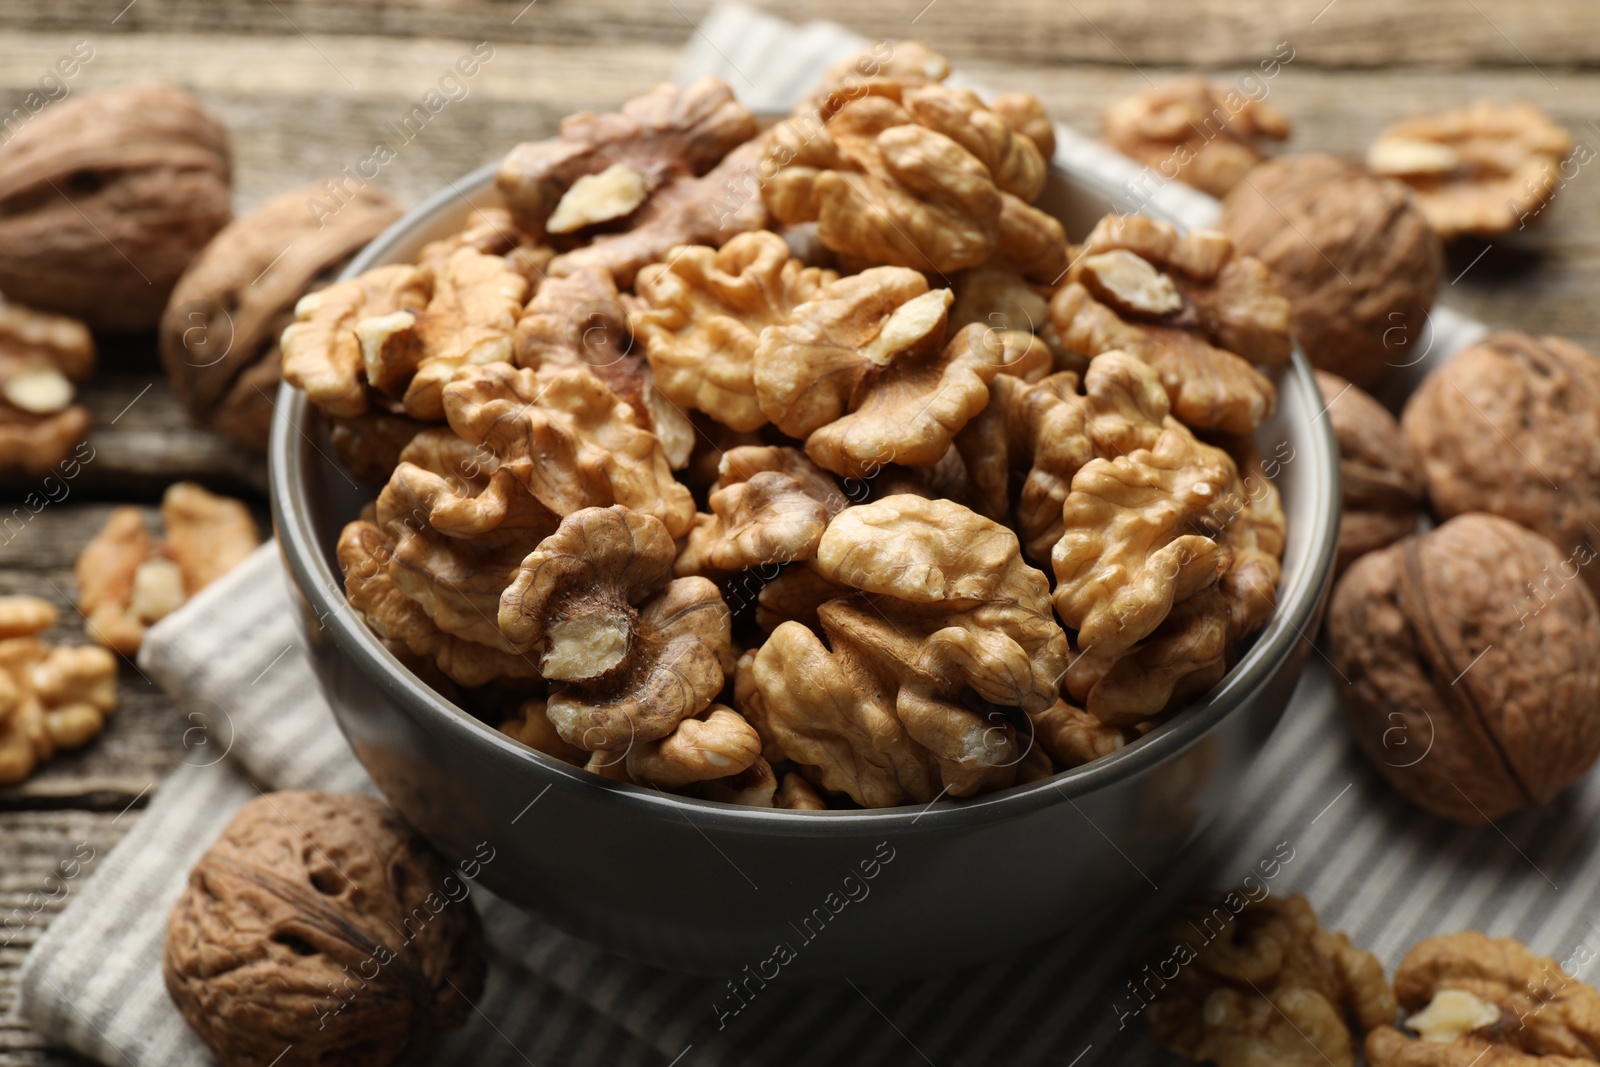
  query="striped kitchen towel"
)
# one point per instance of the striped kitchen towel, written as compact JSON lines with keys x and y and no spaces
{"x":1373,"y":866}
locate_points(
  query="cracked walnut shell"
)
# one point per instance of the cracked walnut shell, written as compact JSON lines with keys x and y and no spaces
{"x":1484,"y":169}
{"x":1511,"y":426}
{"x":43,"y":358}
{"x":50,"y":698}
{"x":320,"y":929}
{"x":127,"y":580}
{"x":219,"y":333}
{"x":1192,"y":131}
{"x":1473,"y":656}
{"x":1474,"y":999}
{"x":914,"y":174}
{"x":1379,"y":474}
{"x":1258,"y":981}
{"x":1352,"y":252}
{"x":701,"y":313}
{"x":104,"y":200}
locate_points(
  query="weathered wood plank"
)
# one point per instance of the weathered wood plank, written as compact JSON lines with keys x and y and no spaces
{"x":1353,"y":33}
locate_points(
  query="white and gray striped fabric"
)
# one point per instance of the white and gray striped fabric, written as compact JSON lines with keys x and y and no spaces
{"x":1372,"y":865}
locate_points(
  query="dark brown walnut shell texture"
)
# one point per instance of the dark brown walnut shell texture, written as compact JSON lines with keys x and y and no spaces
{"x":1382,"y":498}
{"x":219,"y":335}
{"x":1511,"y":426}
{"x":1473,"y":662}
{"x":299,"y":887}
{"x":104,"y":200}
{"x":1352,"y":252}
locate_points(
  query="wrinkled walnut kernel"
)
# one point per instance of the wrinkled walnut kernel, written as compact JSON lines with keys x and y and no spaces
{"x":1194,"y":132}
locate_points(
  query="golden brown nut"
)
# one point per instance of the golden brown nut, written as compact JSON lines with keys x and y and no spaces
{"x":127,"y":580}
{"x":797,"y":794}
{"x":1254,"y":537}
{"x":702,"y":311}
{"x":717,"y":743}
{"x":794,"y":596}
{"x":914,"y":174}
{"x":568,"y":439}
{"x":1183,"y":657}
{"x":579,"y":321}
{"x":321,"y":352}
{"x":1379,"y":473}
{"x":603,"y":167}
{"x":770,"y":505}
{"x":104,"y":200}
{"x":491,"y":231}
{"x":43,"y":358}
{"x":1489,"y":1000}
{"x":1001,"y":298}
{"x":906,"y":62}
{"x":1138,"y":538}
{"x":1073,"y":736}
{"x":1189,"y":305}
{"x":1352,"y":252}
{"x":219,"y":333}
{"x":50,"y":698}
{"x":320,"y":929}
{"x":628,"y":663}
{"x":1192,"y":131}
{"x":1511,"y":426}
{"x":1473,"y":657}
{"x":370,"y":444}
{"x":1483,"y":169}
{"x":533,"y":727}
{"x":1258,"y":982}
{"x":365,"y":555}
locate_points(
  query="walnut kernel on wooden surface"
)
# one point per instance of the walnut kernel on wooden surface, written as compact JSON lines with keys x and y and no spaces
{"x":1353,"y":253}
{"x":43,"y":359}
{"x":320,"y":929}
{"x":51,"y":698}
{"x":1194,"y":131}
{"x":1474,"y":667}
{"x":104,"y":200}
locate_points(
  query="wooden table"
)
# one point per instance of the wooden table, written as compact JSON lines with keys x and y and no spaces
{"x":307,"y":85}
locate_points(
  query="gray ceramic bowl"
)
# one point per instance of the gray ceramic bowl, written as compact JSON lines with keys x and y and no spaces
{"x":710,"y":888}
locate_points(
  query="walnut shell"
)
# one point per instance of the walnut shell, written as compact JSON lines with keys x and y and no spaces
{"x":1511,"y":426}
{"x":1379,"y":472}
{"x":104,"y":200}
{"x":1352,"y":252}
{"x":321,"y":922}
{"x":219,"y":335}
{"x":1472,"y":654}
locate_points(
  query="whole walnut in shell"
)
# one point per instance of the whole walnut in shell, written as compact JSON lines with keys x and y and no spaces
{"x":1379,"y":473}
{"x":104,"y":200}
{"x":1472,"y":654}
{"x":1511,"y":426}
{"x":1352,"y":252}
{"x":321,"y":929}
{"x":219,"y":335}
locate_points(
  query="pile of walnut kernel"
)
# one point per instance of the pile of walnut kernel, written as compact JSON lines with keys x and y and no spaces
{"x":807,"y":467}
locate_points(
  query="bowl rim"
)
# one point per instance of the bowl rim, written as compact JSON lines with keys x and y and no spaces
{"x":1298,"y":603}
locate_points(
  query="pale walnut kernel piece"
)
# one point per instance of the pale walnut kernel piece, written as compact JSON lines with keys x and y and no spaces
{"x":578,"y":320}
{"x":914,"y":174}
{"x":702,"y":311}
{"x":459,"y":527}
{"x":128,"y":580}
{"x":411,"y":354}
{"x":43,"y":358}
{"x":365,"y":554}
{"x":999,"y":297}
{"x":533,"y":727}
{"x":1483,"y":169}
{"x":1192,"y":131}
{"x":1137,"y":538}
{"x":24,"y":616}
{"x":1352,"y":252}
{"x":1380,"y":476}
{"x":50,"y":698}
{"x":904,"y":62}
{"x":1028,"y":117}
{"x":38,"y":444}
{"x":491,"y":231}
{"x":629,"y":663}
{"x":717,"y":743}
{"x":666,"y":135}
{"x":299,"y":893}
{"x":797,"y":794}
{"x":831,"y":714}
{"x":568,"y":439}
{"x":1471,"y":998}
{"x":1477,"y":643}
{"x":1183,"y":657}
{"x":770,"y":506}
{"x":1511,"y":426}
{"x":1073,"y":736}
{"x":1258,"y":982}
{"x":321,"y":352}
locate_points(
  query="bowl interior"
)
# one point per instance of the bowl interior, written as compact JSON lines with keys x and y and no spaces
{"x":314,"y":497}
